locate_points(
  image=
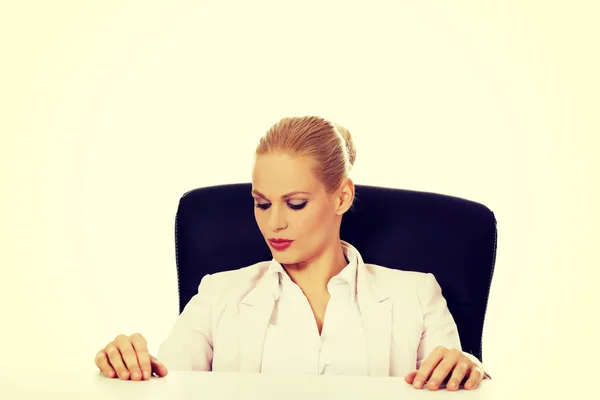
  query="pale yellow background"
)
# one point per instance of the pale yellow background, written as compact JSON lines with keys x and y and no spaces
{"x":111,"y":110}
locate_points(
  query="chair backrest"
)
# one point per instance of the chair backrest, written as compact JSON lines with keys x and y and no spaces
{"x":452,"y":238}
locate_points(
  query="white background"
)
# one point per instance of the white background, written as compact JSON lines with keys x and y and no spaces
{"x":111,"y":110}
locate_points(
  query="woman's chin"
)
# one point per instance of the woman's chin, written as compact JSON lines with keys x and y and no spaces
{"x":282,"y":258}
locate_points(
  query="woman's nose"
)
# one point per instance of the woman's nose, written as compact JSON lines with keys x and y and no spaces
{"x":277,"y":219}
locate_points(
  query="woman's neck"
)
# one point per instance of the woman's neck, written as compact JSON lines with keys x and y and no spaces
{"x":313,"y":275}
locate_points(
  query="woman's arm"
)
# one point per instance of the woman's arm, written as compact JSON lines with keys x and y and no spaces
{"x":439,"y":328}
{"x":189,"y":344}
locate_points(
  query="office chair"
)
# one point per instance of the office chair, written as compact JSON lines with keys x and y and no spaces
{"x":452,"y":238}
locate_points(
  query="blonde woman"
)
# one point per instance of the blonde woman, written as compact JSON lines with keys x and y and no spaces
{"x":316,"y":307}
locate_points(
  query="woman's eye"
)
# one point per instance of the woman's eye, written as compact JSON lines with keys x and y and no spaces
{"x":297,"y":206}
{"x":264,"y":206}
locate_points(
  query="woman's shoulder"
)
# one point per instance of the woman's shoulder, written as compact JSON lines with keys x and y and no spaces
{"x":248,"y":273}
{"x":235,"y":283}
{"x":394,"y":272}
{"x":386,"y":274}
{"x":232,"y":285}
{"x":395,"y":277}
{"x":398,"y":282}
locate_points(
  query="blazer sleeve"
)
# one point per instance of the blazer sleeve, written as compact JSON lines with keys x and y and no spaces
{"x":189,"y":344}
{"x":439,"y":328}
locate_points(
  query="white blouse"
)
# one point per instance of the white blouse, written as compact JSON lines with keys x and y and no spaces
{"x":293,"y":344}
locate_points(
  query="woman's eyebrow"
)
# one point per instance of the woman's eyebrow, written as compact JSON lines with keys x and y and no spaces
{"x":290,"y":194}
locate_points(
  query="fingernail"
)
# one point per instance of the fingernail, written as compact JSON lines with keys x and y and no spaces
{"x":452,"y":384}
{"x":123,"y":374}
{"x":418,"y":383}
{"x":468,"y":385}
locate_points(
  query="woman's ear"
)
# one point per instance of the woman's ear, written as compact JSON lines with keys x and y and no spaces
{"x":345,"y":196}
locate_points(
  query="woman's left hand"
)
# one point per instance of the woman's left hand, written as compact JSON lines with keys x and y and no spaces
{"x":449,"y":365}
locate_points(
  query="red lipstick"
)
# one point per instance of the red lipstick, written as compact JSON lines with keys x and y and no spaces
{"x":280,"y":244}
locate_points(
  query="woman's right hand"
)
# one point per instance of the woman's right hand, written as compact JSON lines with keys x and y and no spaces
{"x":127,"y":357}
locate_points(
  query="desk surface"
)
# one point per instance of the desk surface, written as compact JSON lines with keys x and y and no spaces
{"x":207,"y":385}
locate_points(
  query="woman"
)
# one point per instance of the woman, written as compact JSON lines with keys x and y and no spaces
{"x":316,"y":307}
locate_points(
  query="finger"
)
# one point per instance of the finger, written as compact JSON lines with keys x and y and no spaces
{"x":475,"y":378}
{"x":130,"y":358}
{"x":460,"y":372}
{"x":410,"y":377}
{"x":443,"y":369}
{"x":143,"y":357}
{"x":158,"y":367}
{"x":428,"y":366}
{"x":103,"y":364}
{"x":116,"y":361}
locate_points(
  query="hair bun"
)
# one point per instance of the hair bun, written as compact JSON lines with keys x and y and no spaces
{"x":349,"y":142}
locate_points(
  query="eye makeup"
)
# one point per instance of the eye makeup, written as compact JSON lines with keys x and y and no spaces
{"x":264,"y":206}
{"x":297,"y":206}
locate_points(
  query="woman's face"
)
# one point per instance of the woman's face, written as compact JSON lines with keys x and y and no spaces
{"x":291,"y":204}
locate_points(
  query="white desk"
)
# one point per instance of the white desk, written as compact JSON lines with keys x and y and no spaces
{"x":90,"y":385}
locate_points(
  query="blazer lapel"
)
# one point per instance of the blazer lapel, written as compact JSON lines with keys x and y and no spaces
{"x":376,"y":309}
{"x":255,"y":313}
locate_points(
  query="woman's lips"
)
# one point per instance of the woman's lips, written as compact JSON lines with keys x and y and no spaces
{"x":280,"y":244}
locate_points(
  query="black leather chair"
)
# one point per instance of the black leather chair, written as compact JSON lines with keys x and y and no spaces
{"x":452,"y":238}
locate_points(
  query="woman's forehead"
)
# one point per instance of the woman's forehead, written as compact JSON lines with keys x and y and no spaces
{"x":277,"y":175}
{"x":282,"y":169}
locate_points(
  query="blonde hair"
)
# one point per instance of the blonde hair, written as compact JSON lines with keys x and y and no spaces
{"x":328,"y":144}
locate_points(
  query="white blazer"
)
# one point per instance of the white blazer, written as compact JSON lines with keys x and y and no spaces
{"x":223,"y":327}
